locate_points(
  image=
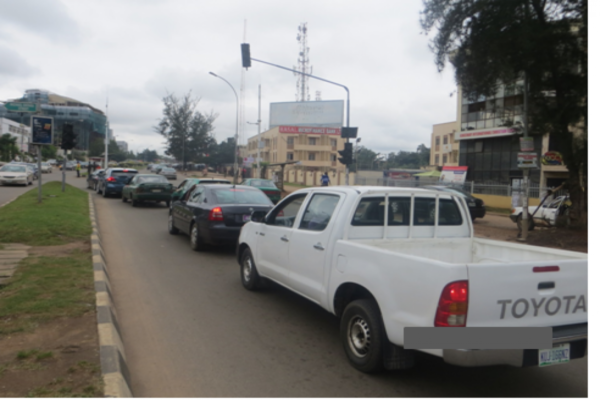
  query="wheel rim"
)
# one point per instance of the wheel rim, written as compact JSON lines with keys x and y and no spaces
{"x":359,"y":336}
{"x":247,"y":269}
{"x":194,"y":235}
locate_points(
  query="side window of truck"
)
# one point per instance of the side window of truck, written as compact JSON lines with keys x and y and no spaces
{"x":319,"y":212}
{"x":449,"y":213}
{"x":371,"y":211}
{"x":286,"y":211}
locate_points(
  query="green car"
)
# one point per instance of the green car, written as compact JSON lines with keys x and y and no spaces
{"x":189,"y":182}
{"x":267,"y":186}
{"x":147,"y":187}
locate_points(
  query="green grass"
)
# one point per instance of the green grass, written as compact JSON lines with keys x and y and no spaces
{"x":44,"y":288}
{"x":61,"y":218}
{"x":294,"y":184}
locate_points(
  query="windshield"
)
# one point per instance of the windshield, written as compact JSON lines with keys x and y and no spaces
{"x":123,"y":176}
{"x":170,"y":170}
{"x":262,"y":183}
{"x":12,"y":168}
{"x":241,"y":196}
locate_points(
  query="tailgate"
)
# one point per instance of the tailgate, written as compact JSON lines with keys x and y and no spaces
{"x":513,"y":295}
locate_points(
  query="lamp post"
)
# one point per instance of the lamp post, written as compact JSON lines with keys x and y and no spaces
{"x":237,"y":107}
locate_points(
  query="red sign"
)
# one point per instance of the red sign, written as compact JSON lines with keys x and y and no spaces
{"x":484,"y":133}
{"x":310,"y":130}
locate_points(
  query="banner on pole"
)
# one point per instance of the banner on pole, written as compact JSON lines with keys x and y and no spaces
{"x":453,"y":175}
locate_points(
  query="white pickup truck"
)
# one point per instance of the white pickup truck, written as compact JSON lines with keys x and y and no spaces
{"x":385,"y":259}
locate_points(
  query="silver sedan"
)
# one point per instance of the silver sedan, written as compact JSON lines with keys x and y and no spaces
{"x":169,"y":173}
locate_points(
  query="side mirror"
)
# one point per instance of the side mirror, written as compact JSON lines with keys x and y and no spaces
{"x":258,"y":216}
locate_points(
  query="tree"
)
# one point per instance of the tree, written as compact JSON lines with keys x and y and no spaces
{"x":187,"y":132}
{"x":48,"y":152}
{"x":147,"y":155}
{"x":8,"y":147}
{"x":96,"y":148}
{"x":494,"y":41}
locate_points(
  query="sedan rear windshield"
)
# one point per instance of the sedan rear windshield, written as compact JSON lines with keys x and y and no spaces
{"x":170,"y":170}
{"x":123,"y":176}
{"x":12,"y":168}
{"x":262,"y":183}
{"x":152,"y":179}
{"x":241,"y":196}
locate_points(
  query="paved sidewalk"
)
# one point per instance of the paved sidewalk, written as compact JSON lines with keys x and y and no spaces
{"x":10,"y":256}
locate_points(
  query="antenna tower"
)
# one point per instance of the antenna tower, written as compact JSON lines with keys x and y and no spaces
{"x":303,"y":66}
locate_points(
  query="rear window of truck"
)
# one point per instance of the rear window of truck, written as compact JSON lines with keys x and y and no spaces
{"x":371,"y":212}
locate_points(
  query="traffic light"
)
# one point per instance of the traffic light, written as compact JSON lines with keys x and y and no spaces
{"x":246,"y":55}
{"x":346,"y":154}
{"x":68,"y":137}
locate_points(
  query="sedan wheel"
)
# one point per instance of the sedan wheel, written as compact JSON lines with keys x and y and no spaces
{"x":123,"y":198}
{"x":172,"y":229}
{"x":195,"y":240}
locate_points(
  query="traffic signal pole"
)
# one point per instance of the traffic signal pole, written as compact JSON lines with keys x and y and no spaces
{"x":246,"y":57}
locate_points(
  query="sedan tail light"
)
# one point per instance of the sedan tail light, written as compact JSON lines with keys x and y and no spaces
{"x":216,"y":214}
{"x":111,"y":179}
{"x":453,"y":305}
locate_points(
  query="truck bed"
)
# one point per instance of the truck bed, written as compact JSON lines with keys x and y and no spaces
{"x":470,"y":250}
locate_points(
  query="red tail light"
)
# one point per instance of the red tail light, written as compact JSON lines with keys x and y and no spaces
{"x":453,"y":305}
{"x":111,"y":179}
{"x":216,"y":214}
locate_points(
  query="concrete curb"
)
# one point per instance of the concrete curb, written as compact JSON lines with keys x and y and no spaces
{"x":112,"y":355}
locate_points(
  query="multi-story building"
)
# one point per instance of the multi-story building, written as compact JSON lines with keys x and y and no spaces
{"x":315,"y":148}
{"x":123,"y":145}
{"x":88,"y":122}
{"x":444,"y":150}
{"x":19,"y":131}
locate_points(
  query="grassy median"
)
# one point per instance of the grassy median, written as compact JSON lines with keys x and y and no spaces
{"x":51,"y":291}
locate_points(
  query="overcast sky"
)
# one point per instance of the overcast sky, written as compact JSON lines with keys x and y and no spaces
{"x":138,"y":50}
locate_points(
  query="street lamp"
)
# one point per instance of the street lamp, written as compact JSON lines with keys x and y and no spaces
{"x":237,"y":106}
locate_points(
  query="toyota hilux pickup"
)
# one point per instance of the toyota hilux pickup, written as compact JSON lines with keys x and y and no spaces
{"x":386,"y":260}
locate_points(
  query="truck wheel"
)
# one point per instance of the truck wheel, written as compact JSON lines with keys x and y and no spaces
{"x":529,"y":221}
{"x":363,"y":335}
{"x":172,"y":229}
{"x":250,"y":278}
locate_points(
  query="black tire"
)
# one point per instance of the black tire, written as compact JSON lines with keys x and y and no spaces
{"x":251,"y":280}
{"x":104,"y":194}
{"x":195,"y":239}
{"x":529,"y":221}
{"x":97,"y":188}
{"x":168,"y":203}
{"x":134,"y":202}
{"x":363,"y":335}
{"x":123,"y":198}
{"x":171,"y":226}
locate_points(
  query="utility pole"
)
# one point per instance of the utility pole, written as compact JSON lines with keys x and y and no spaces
{"x":525,"y":213}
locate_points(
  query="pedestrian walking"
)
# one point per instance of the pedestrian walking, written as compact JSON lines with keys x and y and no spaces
{"x":325,"y":179}
{"x":78,"y":169}
{"x":89,"y":168}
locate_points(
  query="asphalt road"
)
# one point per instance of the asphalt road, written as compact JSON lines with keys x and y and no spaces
{"x":191,"y":330}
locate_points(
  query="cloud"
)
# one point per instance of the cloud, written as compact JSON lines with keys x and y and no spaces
{"x":13,"y":65}
{"x":48,"y":19}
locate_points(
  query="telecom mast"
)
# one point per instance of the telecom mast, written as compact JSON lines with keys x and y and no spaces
{"x":303,"y":66}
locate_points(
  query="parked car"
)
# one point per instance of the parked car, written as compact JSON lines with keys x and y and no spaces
{"x":168,"y":172}
{"x":16,"y":174}
{"x":214,"y":214}
{"x":401,"y":280}
{"x":189,"y":182}
{"x":92,"y":179}
{"x":147,"y":187}
{"x":476,"y":206}
{"x":545,"y":215}
{"x":46,"y":168}
{"x":52,"y":161}
{"x":266,"y":186}
{"x":113,"y":181}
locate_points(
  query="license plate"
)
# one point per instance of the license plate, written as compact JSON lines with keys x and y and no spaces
{"x":246,"y":218}
{"x":156,"y":190}
{"x":557,"y":355}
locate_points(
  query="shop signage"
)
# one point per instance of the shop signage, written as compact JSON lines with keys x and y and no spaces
{"x":309,"y":130}
{"x":454,"y":175}
{"x":527,"y":160}
{"x":526,"y":143}
{"x":552,"y":158}
{"x":484,"y":133}
{"x":41,"y":130}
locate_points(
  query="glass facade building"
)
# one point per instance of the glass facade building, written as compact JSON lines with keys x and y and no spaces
{"x":88,"y":122}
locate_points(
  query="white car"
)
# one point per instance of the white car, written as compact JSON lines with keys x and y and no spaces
{"x":46,"y":168}
{"x":546,"y":215}
{"x":169,"y":173}
{"x":15,"y":174}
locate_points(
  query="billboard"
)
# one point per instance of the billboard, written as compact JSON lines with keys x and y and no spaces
{"x":41,"y":130}
{"x":453,"y":175}
{"x":307,"y":113}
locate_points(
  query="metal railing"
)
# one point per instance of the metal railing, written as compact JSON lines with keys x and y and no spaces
{"x":495,"y":189}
